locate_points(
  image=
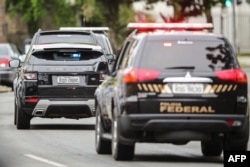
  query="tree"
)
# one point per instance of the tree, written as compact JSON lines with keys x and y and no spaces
{"x":190,"y":8}
{"x":116,"y":15}
{"x":34,"y":12}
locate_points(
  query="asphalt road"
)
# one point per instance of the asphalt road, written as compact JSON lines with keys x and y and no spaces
{"x":70,"y":143}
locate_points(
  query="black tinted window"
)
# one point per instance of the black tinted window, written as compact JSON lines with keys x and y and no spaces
{"x":68,"y":38}
{"x":68,"y":56}
{"x":198,"y":55}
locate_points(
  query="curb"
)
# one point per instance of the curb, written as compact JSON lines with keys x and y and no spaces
{"x":4,"y":89}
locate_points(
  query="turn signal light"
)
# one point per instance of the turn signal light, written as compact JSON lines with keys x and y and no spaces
{"x":138,"y":75}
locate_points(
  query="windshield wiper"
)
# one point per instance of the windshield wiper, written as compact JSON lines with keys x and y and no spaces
{"x":181,"y":67}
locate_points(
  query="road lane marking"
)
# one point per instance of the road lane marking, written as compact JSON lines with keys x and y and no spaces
{"x":44,"y":160}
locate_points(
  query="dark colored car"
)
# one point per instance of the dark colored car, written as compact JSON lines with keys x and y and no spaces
{"x":8,"y":52}
{"x":58,"y":80}
{"x":173,"y":83}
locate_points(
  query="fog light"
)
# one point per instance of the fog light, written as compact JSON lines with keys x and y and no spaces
{"x":234,"y":123}
{"x":237,"y":123}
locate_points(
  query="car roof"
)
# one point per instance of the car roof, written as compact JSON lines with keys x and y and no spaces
{"x":177,"y":35}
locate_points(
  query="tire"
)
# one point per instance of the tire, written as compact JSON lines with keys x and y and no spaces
{"x":15,"y":112}
{"x":120,"y":151}
{"x":22,"y":119}
{"x":103,"y":146}
{"x":211,"y":148}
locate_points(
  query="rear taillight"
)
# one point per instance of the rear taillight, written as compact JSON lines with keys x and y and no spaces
{"x":32,"y":100}
{"x":235,"y":75}
{"x":30,"y":76}
{"x":231,"y":122}
{"x":139,"y":75}
{"x":4,"y":62}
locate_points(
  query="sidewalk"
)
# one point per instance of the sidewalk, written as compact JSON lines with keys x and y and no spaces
{"x":244,"y":61}
{"x":4,"y":89}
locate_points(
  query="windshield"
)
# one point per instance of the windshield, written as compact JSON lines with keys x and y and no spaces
{"x":9,"y":50}
{"x":198,"y":55}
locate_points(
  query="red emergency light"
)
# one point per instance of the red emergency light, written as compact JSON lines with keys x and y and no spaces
{"x":171,"y":26}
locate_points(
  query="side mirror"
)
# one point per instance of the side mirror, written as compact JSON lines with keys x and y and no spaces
{"x":15,"y":63}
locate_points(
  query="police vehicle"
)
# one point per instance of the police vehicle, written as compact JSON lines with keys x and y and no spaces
{"x":57,"y":80}
{"x":173,"y":83}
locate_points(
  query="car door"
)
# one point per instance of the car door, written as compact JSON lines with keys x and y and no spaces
{"x":109,"y":88}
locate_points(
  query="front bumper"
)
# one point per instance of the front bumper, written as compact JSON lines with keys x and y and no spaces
{"x":176,"y":128}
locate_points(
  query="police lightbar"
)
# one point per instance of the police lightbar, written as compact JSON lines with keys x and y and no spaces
{"x":171,"y":26}
{"x":85,"y":28}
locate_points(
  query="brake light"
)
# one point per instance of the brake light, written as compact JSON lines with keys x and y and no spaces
{"x":235,"y":75}
{"x":32,"y":100}
{"x":4,"y":62}
{"x":171,"y":26}
{"x":30,"y":76}
{"x":139,"y":75}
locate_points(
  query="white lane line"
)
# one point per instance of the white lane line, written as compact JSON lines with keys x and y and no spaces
{"x":44,"y":160}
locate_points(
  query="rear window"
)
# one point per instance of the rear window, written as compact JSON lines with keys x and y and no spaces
{"x":197,"y":55}
{"x":68,"y":56}
{"x":4,"y":51}
{"x":68,"y":38}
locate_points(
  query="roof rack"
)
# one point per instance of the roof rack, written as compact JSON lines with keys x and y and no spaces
{"x":94,"y":29}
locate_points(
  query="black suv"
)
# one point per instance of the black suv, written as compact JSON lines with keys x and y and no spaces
{"x":173,"y":83}
{"x":58,"y":80}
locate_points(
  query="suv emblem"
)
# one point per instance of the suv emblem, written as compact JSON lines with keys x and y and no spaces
{"x":188,"y":75}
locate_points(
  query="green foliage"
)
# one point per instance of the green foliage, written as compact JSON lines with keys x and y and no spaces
{"x":34,"y":12}
{"x":116,"y":15}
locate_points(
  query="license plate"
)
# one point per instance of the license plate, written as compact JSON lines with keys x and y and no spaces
{"x":68,"y":79}
{"x":188,"y":88}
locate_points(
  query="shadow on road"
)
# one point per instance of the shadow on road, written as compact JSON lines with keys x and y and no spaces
{"x":62,"y":127}
{"x":178,"y":158}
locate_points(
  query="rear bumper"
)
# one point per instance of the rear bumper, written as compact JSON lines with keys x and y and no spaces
{"x":176,"y":128}
{"x":67,"y":108}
